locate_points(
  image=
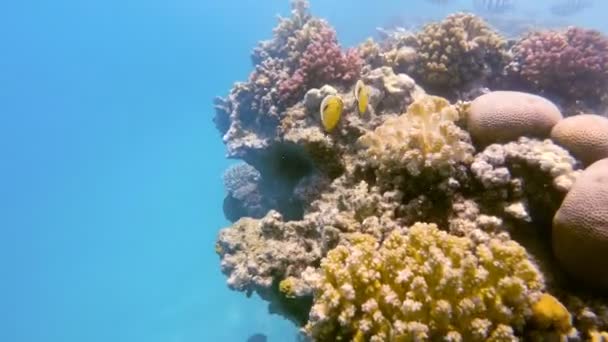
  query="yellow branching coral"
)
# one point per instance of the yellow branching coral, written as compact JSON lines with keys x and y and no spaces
{"x":457,"y":50}
{"x":424,"y":285}
{"x":548,"y":313}
{"x":425,"y":136}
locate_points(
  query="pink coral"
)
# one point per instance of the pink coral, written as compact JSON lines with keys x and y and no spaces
{"x":572,"y":64}
{"x":322,"y":62}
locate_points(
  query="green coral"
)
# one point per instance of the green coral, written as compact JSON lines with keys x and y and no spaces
{"x":423,"y":285}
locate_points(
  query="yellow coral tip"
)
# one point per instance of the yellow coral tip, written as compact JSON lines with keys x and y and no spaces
{"x":549,"y":312}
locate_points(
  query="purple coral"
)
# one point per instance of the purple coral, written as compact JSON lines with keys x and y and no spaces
{"x":571,"y":63}
{"x":322,"y":62}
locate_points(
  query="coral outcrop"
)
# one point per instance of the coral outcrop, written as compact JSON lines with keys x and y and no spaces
{"x":580,"y":229}
{"x":426,"y":136}
{"x":427,"y":216}
{"x":458,"y":50}
{"x":424,"y":285}
{"x":502,"y":116}
{"x":304,"y":53}
{"x":585,"y":136}
{"x":572,"y":63}
{"x":526,"y":179}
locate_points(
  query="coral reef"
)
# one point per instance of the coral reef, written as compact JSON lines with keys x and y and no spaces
{"x":304,"y":53}
{"x":427,"y":216}
{"x":572,"y":64}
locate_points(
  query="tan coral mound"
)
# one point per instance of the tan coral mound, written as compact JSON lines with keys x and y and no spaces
{"x":424,"y":137}
{"x":580,"y":228}
{"x":503,"y":116}
{"x":585,"y":136}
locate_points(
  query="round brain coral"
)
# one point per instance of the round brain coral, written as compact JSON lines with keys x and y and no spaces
{"x":585,"y":136}
{"x":503,"y":116}
{"x":424,"y":285}
{"x":580,"y":228}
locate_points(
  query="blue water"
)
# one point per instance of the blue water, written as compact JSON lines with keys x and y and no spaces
{"x":110,"y":169}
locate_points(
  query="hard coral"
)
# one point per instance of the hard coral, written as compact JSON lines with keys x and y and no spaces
{"x":303,"y":53}
{"x":321,"y":62}
{"x":426,"y":136}
{"x":585,"y":136}
{"x":525,"y":179}
{"x":244,"y":193}
{"x":458,"y":50}
{"x":571,"y":63}
{"x":580,"y":228}
{"x":255,"y":253}
{"x":424,"y":285}
{"x":503,"y":116}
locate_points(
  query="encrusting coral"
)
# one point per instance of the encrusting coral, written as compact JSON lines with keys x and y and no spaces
{"x":422,"y":217}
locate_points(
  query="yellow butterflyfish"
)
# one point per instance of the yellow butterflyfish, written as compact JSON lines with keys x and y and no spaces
{"x":331,"y":111}
{"x":362,"y":96}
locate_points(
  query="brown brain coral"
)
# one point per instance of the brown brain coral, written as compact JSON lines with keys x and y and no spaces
{"x":580,"y":228}
{"x":585,"y":136}
{"x":503,"y":116}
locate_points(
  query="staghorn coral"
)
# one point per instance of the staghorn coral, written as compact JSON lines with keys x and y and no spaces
{"x":572,"y":63}
{"x":424,"y":285}
{"x":458,"y":50}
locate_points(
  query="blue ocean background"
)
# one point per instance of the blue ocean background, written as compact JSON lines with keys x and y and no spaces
{"x":110,"y":169}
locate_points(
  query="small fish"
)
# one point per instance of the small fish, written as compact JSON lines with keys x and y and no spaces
{"x":569,"y":7}
{"x":257,"y":338}
{"x":331,"y":111}
{"x":362,"y":96}
{"x":493,"y":6}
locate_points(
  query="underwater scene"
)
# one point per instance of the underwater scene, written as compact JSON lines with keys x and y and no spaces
{"x":304,"y":170}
